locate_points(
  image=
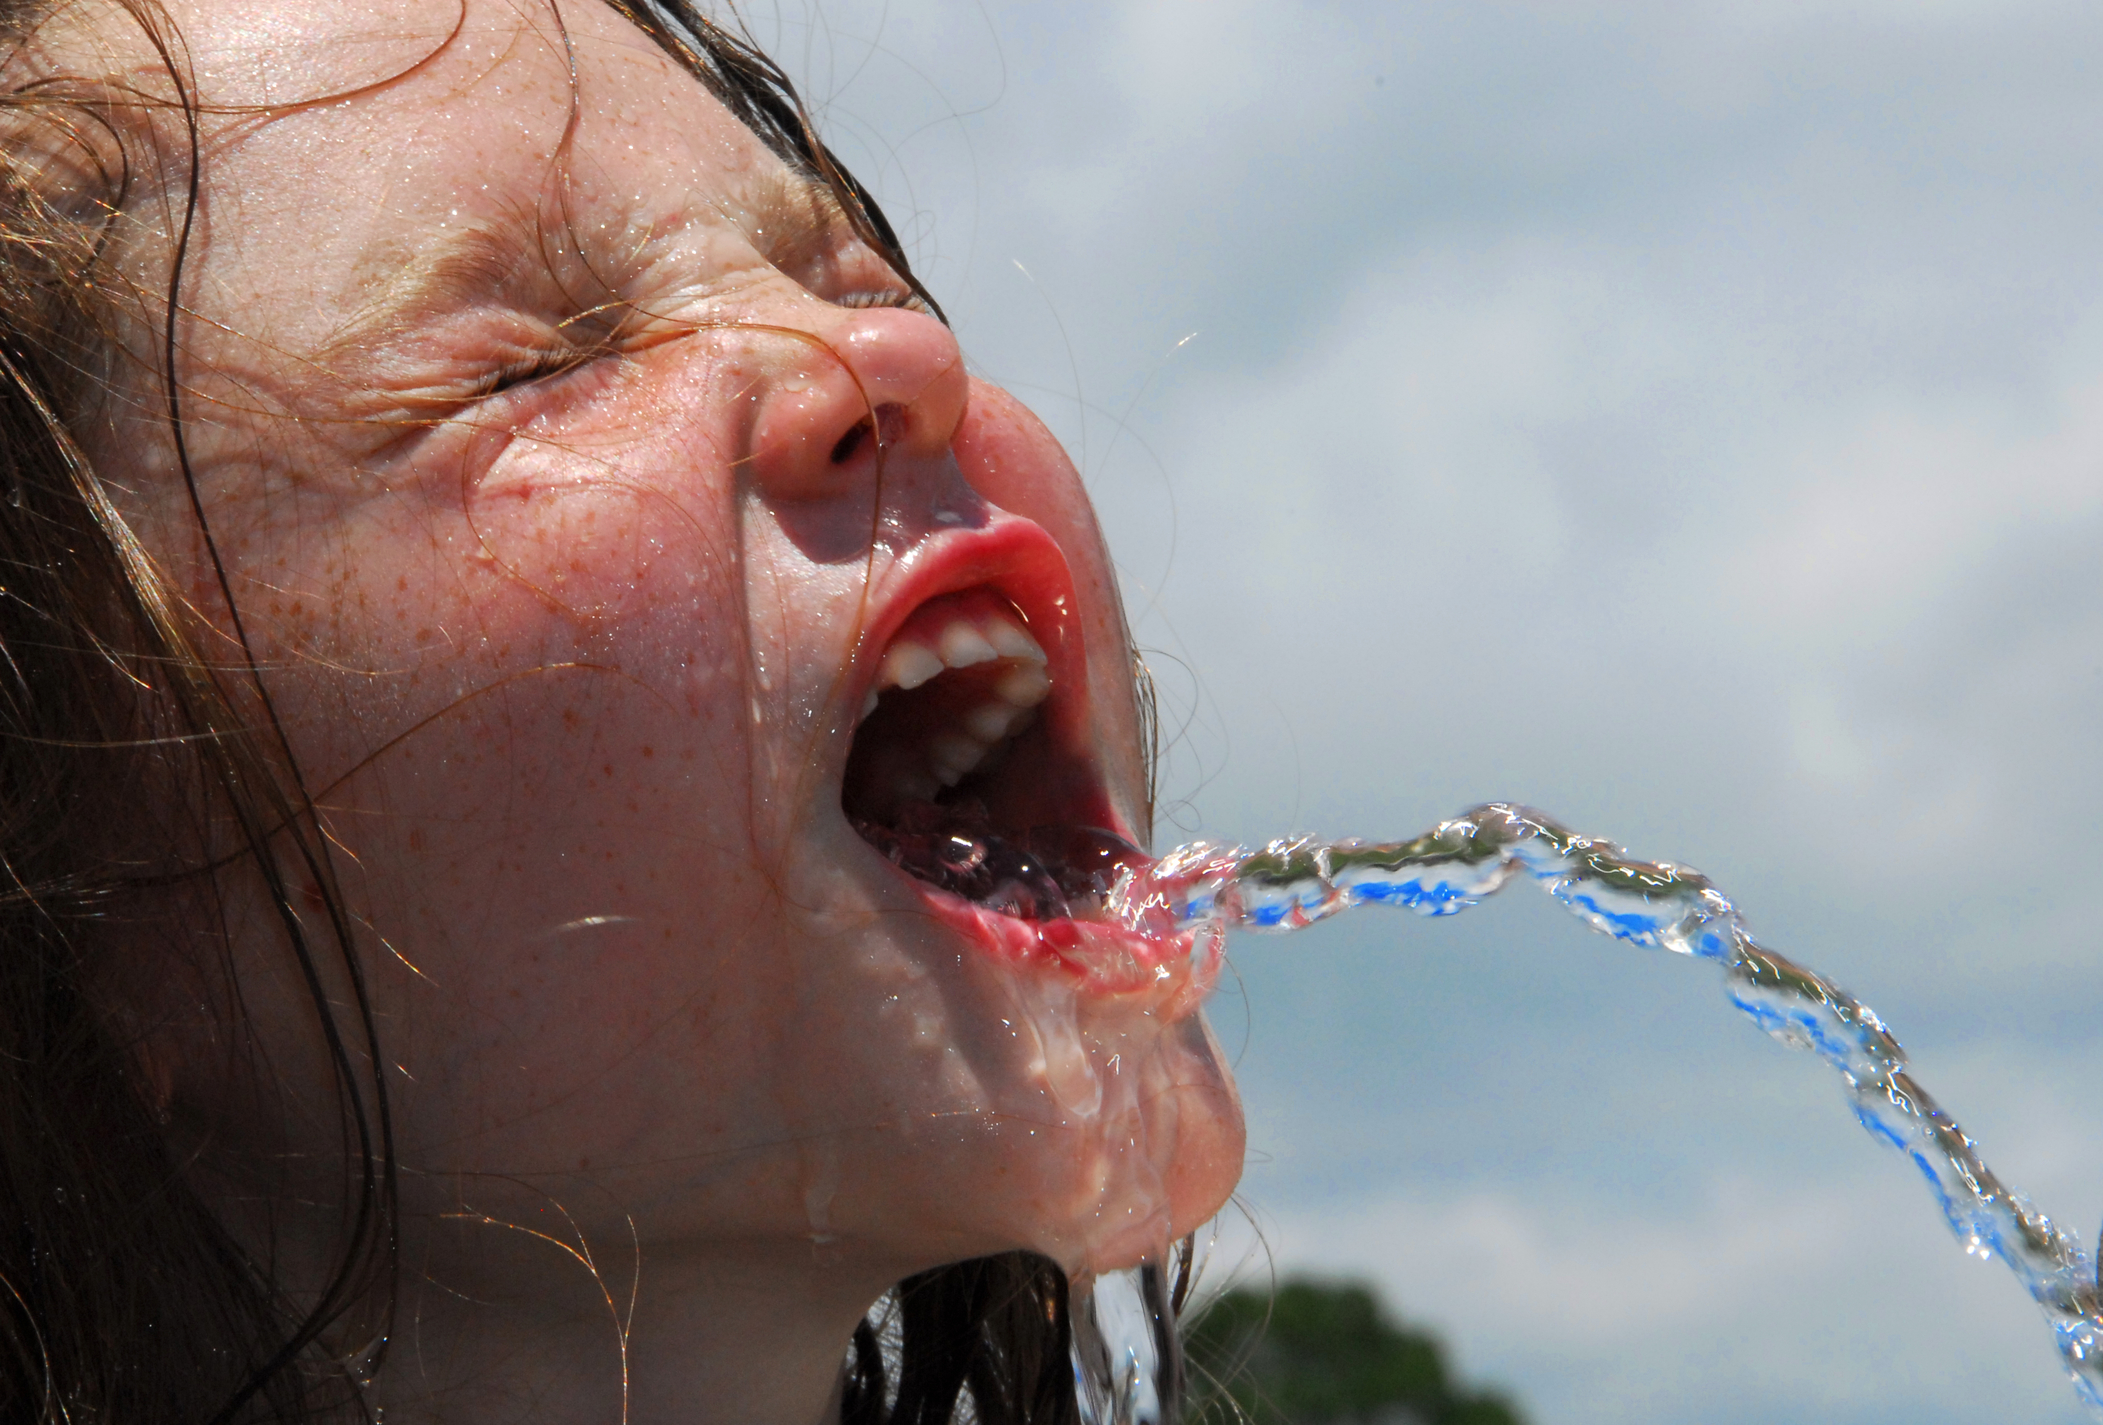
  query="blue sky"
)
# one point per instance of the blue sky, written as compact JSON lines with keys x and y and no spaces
{"x":1685,"y":418}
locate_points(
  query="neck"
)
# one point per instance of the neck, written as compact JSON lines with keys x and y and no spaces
{"x":524,"y":1328}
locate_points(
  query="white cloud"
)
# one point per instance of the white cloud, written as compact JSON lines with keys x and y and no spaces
{"x":1870,"y":526}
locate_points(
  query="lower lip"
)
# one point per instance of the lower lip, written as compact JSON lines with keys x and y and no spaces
{"x":1169,"y":976}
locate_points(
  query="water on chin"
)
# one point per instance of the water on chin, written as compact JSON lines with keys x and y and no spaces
{"x":1126,"y":1368}
{"x":1098,"y":1070}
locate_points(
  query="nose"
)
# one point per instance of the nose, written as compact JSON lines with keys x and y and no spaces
{"x":878,"y":379}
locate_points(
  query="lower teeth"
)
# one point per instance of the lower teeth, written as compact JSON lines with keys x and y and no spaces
{"x":1045,"y":873}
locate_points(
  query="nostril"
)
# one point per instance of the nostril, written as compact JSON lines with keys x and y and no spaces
{"x":844,"y":448}
{"x":889,"y":428}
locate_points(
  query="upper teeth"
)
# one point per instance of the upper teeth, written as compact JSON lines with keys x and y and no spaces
{"x":965,"y":632}
{"x":907,"y":665}
{"x":963,"y":646}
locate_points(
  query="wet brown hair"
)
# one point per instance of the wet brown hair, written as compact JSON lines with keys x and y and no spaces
{"x":123,"y":1297}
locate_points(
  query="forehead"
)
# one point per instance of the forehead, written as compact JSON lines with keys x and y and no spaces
{"x":349,"y":141}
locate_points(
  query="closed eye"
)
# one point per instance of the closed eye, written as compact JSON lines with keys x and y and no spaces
{"x":534,"y":366}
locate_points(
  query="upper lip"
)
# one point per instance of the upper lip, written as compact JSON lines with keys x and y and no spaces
{"x":1012,"y":555}
{"x":1018,"y":560}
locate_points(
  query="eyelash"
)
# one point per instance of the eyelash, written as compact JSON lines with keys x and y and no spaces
{"x":528,"y":369}
{"x":893,"y":297}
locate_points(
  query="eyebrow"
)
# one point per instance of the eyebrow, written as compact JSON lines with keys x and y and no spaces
{"x":798,"y":217}
{"x":480,"y":258}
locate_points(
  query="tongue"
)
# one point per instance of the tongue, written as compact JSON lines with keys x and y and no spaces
{"x":1044,"y":873}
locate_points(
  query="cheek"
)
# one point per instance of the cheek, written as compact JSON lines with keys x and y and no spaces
{"x":543,"y":627}
{"x":606,"y":546}
{"x":548,"y":860}
{"x":536,"y":712}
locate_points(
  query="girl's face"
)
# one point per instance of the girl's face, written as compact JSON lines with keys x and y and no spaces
{"x":534,"y":405}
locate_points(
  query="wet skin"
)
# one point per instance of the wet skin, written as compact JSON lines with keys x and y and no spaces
{"x":577,"y":655}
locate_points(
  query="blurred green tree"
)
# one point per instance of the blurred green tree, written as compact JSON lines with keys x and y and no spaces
{"x":1324,"y":1353}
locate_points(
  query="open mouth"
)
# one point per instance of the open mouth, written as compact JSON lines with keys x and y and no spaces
{"x":959,"y":774}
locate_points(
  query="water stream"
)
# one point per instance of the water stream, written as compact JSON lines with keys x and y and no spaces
{"x":1289,"y":884}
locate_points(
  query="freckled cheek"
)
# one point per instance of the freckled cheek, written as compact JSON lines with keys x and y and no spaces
{"x":595,"y":552}
{"x":601,"y":528}
{"x":506,"y":732}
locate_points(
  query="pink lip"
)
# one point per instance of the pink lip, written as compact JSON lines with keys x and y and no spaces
{"x":1166,"y":975}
